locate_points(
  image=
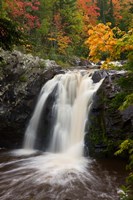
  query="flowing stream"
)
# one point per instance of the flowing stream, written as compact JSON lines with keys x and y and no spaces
{"x":51,"y":164}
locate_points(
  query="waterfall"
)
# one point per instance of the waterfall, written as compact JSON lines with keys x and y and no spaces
{"x":59,"y":170}
{"x":73,"y":100}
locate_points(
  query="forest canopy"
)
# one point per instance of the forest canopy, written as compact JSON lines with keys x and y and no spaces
{"x":59,"y":28}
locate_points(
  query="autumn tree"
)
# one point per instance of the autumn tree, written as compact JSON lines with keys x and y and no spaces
{"x":90,"y":10}
{"x":117,"y":12}
{"x":61,"y":26}
{"x":71,"y":23}
{"x":101,"y":41}
{"x":107,"y":41}
{"x":23,"y":12}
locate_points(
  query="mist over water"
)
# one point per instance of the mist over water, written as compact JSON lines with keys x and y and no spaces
{"x":61,"y":172}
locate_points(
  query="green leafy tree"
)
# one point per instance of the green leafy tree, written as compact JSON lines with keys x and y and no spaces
{"x":10,"y":34}
{"x":103,"y":5}
{"x":127,"y":147}
{"x":61,"y":27}
{"x":110,"y":16}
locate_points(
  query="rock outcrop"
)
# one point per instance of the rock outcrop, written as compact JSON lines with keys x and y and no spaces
{"x":108,"y":126}
{"x":21,"y":78}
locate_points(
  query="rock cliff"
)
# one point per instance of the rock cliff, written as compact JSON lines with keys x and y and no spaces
{"x":21,"y":78}
{"x":108,"y":125}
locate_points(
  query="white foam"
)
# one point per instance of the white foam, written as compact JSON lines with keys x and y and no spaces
{"x":23,"y":152}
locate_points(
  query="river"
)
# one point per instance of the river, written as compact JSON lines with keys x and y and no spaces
{"x":44,"y":176}
{"x":58,"y":170}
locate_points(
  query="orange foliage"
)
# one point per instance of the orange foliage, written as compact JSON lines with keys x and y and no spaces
{"x":63,"y":42}
{"x":119,"y":7}
{"x":89,"y":9}
{"x":110,"y":42}
{"x":17,"y":10}
{"x":101,"y":40}
{"x":57,"y":21}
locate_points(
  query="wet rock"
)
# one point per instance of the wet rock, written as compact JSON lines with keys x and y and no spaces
{"x":50,"y":64}
{"x":84,"y":62}
{"x":108,"y":126}
{"x":21,"y":78}
{"x":74,"y":61}
{"x":98,"y":75}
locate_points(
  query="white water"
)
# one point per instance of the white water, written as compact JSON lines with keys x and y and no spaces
{"x":62,"y":172}
{"x":74,"y":98}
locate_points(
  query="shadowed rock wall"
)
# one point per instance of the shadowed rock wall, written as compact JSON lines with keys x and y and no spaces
{"x":21,"y":78}
{"x":108,"y":126}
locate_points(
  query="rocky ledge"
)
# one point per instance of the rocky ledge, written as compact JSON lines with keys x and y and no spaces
{"x":21,"y":78}
{"x":108,"y":126}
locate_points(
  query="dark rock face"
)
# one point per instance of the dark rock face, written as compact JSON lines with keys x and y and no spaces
{"x":46,"y":122}
{"x":107,"y":126}
{"x":21,"y":78}
{"x":80,"y":63}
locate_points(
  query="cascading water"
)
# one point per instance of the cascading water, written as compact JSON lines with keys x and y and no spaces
{"x":61,"y":172}
{"x":73,"y":101}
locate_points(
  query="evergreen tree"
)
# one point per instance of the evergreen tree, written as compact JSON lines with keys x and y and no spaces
{"x":103,"y":6}
{"x":110,"y":14}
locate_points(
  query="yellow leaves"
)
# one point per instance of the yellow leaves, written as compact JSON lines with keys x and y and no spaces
{"x":51,"y":39}
{"x":109,"y":42}
{"x":107,"y":64}
{"x":90,"y":32}
{"x":63,"y":42}
{"x":108,"y":24}
{"x":101,"y":40}
{"x":128,"y":48}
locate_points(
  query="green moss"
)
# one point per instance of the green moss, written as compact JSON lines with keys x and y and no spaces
{"x":23,"y":78}
{"x":42,"y":65}
{"x":2,"y":63}
{"x":126,"y":82}
{"x":125,"y":96}
{"x":98,"y":133}
{"x":117,"y":101}
{"x":128,"y":101}
{"x":62,"y":64}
